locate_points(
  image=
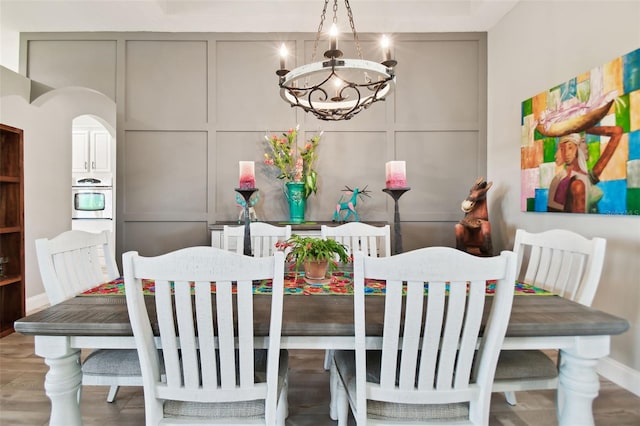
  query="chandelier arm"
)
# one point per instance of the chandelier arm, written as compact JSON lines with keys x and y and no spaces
{"x":307,"y":89}
{"x":324,"y":97}
{"x":372,"y":85}
{"x":354,"y":88}
{"x":294,"y":95}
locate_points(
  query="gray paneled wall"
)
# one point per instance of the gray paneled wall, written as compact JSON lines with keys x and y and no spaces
{"x":191,"y":105}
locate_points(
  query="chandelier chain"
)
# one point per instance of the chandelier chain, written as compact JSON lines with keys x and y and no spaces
{"x":353,"y":28}
{"x":322,"y":18}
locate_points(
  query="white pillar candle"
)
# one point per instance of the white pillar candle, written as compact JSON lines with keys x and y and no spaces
{"x":396,"y":174}
{"x":247,"y":175}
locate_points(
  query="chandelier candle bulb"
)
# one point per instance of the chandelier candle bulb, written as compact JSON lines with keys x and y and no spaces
{"x":386,"y":47}
{"x":247,"y":175}
{"x":283,"y":56}
{"x":338,"y":84}
{"x":396,"y":174}
{"x":333,"y":34}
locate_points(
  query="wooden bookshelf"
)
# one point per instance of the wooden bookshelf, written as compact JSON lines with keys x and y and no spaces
{"x":12,"y":291}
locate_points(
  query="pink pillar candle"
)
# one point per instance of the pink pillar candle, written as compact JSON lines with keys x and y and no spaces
{"x":247,"y":175}
{"x":396,"y":174}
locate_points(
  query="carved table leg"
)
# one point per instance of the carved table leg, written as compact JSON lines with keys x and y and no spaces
{"x":64,"y":379}
{"x":578,"y":381}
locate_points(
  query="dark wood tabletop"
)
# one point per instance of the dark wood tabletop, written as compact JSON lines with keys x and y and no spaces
{"x":321,"y":315}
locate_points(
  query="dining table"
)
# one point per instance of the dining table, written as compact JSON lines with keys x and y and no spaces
{"x":320,"y":316}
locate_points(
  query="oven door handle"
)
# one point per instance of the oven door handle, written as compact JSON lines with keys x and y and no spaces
{"x":90,"y":180}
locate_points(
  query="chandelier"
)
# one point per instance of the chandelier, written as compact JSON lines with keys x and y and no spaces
{"x":336,"y":88}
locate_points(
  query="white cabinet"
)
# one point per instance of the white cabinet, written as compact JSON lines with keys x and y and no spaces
{"x":91,"y":151}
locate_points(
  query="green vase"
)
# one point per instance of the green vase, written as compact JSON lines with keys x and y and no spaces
{"x":295,"y":197}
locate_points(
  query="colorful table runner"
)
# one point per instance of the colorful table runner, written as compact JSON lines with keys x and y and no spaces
{"x":339,"y":283}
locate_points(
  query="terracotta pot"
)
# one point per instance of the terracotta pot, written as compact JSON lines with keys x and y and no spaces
{"x":315,"y":269}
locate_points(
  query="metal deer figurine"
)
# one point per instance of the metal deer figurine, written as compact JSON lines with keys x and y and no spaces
{"x":350,"y":205}
{"x":473,"y":232}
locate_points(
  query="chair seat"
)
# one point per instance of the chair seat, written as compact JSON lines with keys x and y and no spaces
{"x":109,"y":362}
{"x":123,"y":363}
{"x":525,"y":364}
{"x":346,"y":367}
{"x":241,"y":409}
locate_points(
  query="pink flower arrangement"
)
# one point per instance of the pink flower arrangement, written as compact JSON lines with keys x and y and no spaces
{"x":295,"y":164}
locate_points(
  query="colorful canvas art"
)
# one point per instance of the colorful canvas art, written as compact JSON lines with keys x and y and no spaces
{"x":580,"y":143}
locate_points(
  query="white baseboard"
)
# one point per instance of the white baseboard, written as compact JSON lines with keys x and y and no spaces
{"x":620,"y":374}
{"x":36,"y":303}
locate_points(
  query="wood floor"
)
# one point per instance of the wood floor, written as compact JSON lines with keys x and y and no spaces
{"x":23,"y":402}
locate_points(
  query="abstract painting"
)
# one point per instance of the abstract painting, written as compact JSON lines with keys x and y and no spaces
{"x":580,"y":143}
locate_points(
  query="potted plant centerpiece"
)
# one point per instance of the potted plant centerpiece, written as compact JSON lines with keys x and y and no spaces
{"x":315,"y":255}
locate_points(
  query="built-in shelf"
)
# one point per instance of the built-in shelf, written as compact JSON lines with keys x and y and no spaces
{"x":12,"y":287}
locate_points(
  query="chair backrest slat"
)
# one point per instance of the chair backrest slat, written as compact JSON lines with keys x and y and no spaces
{"x":470,"y":333}
{"x":411,"y":335}
{"x":186,"y":331}
{"x":206,"y":335}
{"x":224,"y":310}
{"x":245,"y":333}
{"x":431,"y":341}
{"x":451,"y":333}
{"x":561,"y":261}
{"x":391,"y":333}
{"x":166,"y":325}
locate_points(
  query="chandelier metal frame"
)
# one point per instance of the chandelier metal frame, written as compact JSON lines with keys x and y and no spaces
{"x":351,"y":97}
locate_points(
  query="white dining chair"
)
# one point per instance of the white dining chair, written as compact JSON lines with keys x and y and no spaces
{"x":214,"y":373}
{"x":428,"y":368}
{"x":70,"y":263}
{"x":373,"y":240}
{"x":565,"y":263}
{"x":264,"y":237}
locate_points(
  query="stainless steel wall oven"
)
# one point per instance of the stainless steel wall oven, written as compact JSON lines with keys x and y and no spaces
{"x":92,"y":198}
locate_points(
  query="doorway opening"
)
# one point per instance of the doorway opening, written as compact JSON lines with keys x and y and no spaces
{"x":93,"y":159}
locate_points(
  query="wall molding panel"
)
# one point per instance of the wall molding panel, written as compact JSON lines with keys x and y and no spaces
{"x":191,"y":105}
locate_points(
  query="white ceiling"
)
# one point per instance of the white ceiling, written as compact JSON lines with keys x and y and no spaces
{"x":248,"y":15}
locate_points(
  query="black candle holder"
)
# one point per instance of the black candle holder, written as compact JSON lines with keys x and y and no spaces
{"x":246,"y":194}
{"x":396,"y":193}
